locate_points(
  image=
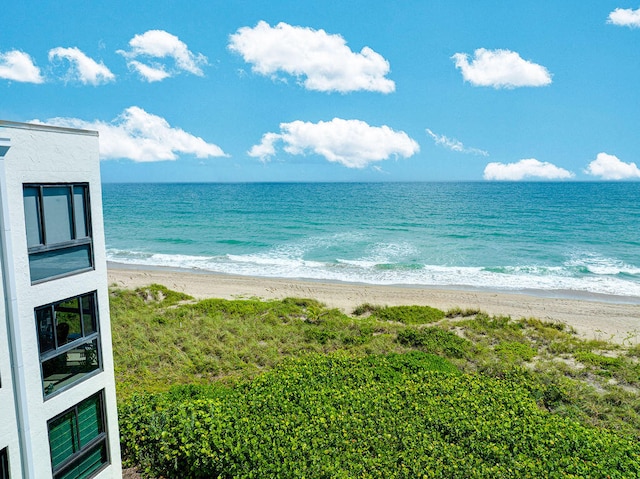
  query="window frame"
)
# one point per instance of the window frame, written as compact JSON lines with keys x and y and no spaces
{"x":84,"y":339}
{"x":5,"y":472}
{"x":46,"y":247}
{"x":83,"y":451}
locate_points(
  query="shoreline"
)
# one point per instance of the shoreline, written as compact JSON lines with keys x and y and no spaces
{"x":592,"y":316}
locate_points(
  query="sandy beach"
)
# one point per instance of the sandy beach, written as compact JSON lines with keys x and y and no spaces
{"x":604,"y":318}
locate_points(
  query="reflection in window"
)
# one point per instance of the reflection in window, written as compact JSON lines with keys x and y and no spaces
{"x":58,"y":230}
{"x":78,"y":440}
{"x":68,"y":340}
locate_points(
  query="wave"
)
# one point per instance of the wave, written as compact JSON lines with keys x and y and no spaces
{"x":613,"y":278}
{"x":600,"y":265}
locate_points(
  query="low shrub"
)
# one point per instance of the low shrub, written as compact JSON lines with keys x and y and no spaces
{"x":435,"y":341}
{"x":401,"y":416}
{"x":515,"y":352}
{"x":365,"y":308}
{"x":409,"y":314}
{"x":597,"y":360}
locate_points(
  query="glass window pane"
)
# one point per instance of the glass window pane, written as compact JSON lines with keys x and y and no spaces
{"x":72,"y":433}
{"x":32,"y":217}
{"x":69,"y":367}
{"x":44,"y":324}
{"x":80,"y":211}
{"x":89,"y":420}
{"x":57,"y":214}
{"x":86,"y":464}
{"x":62,"y":438}
{"x":68,"y":325}
{"x":59,"y":262}
{"x":88,"y":314}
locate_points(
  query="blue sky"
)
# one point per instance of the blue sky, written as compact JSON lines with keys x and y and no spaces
{"x":334,"y":91}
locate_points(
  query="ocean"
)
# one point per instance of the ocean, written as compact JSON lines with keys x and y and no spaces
{"x":561,"y":239}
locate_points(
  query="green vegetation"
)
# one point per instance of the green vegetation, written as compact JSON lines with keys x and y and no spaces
{"x":402,"y":314}
{"x":288,"y":388}
{"x":436,"y":340}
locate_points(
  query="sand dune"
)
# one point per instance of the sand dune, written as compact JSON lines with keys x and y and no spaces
{"x":593,"y":317}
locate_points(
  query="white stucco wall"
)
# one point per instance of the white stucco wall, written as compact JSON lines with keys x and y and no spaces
{"x":50,"y":155}
{"x":8,"y":424}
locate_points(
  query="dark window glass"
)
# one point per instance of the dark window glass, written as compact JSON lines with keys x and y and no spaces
{"x":69,"y":367}
{"x":44,"y":323}
{"x":57,"y":214}
{"x":80,"y":211}
{"x":60,"y":262}
{"x":32,"y":216}
{"x":89,"y":315}
{"x":4,"y":464}
{"x":78,"y":440}
{"x":58,"y":230}
{"x":68,"y":320}
{"x":69,"y":341}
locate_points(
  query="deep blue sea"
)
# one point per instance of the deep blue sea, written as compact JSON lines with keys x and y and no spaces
{"x":554,"y":238}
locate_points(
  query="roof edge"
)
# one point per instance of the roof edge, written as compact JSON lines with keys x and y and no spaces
{"x":42,"y":127}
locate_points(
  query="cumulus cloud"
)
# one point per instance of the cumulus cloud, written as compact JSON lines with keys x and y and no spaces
{"x":609,"y":167}
{"x":324,"y":60}
{"x":500,"y":69}
{"x":352,"y":143}
{"x":18,"y":66}
{"x":523,"y":169}
{"x":141,"y":137}
{"x":158,"y":44}
{"x":83,"y":69}
{"x":625,"y":17}
{"x":454,"y":145}
{"x":149,"y":73}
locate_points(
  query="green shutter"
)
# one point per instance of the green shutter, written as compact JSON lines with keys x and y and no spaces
{"x":69,"y":436}
{"x":89,"y":420}
{"x":62,"y":438}
{"x":89,"y":463}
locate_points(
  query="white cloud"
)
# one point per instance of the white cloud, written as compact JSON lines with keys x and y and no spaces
{"x":528,"y":168}
{"x":324,"y":61}
{"x":501,"y":69}
{"x":625,"y":17}
{"x":142,"y":137}
{"x":352,"y":143}
{"x":609,"y":167}
{"x":454,"y":145}
{"x":266,"y":149}
{"x":18,"y":66}
{"x":161,"y":44}
{"x":83,"y":68}
{"x":149,"y":73}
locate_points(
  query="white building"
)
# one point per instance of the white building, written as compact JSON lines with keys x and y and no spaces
{"x":58,"y":415}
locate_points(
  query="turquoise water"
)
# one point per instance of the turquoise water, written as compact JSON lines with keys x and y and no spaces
{"x":559,"y":238}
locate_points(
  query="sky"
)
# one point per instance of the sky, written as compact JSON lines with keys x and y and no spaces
{"x":243,"y":91}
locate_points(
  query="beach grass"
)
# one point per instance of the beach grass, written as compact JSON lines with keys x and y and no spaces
{"x":165,"y":341}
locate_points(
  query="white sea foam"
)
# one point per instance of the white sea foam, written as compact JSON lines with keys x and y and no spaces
{"x":277,"y":264}
{"x":601,"y":265}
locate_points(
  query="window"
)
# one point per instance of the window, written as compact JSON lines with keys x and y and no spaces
{"x":69,"y":341}
{"x":4,"y":464}
{"x":58,"y":230}
{"x":78,"y":440}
